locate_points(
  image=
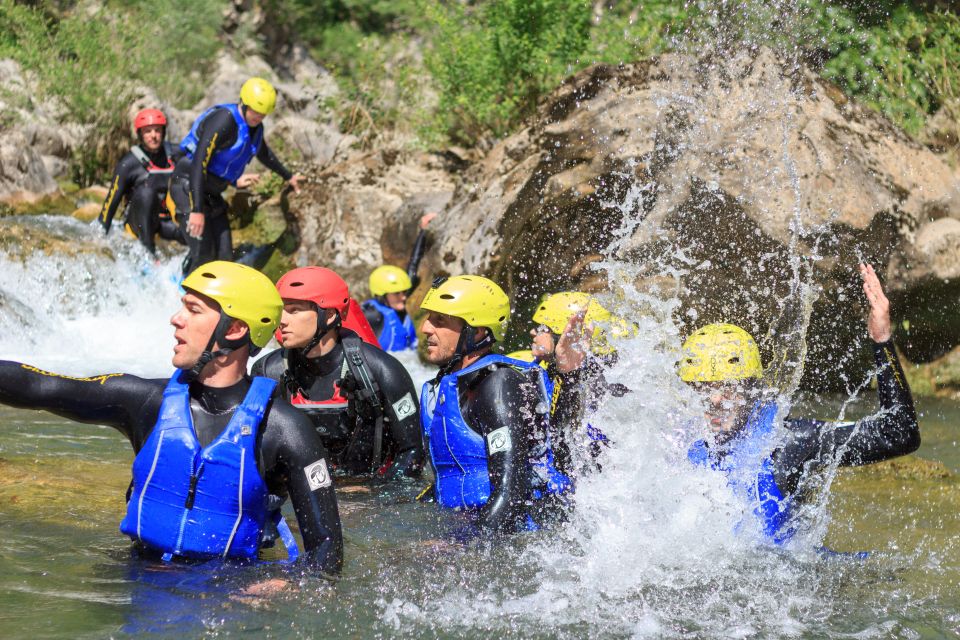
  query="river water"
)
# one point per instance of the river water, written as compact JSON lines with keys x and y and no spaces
{"x":648,"y":551}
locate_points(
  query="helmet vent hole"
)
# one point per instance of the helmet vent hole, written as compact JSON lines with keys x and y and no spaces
{"x":266,"y":320}
{"x":502,"y":318}
{"x":296,"y":284}
{"x":207,"y":274}
{"x":446,"y":296}
{"x":734,"y":360}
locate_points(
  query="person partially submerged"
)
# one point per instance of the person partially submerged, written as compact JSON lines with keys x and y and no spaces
{"x":767,"y":467}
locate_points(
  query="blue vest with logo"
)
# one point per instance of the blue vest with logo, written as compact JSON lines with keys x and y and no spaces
{"x":198,"y":502}
{"x":749,"y":470}
{"x":459,"y":453}
{"x":396,"y":334}
{"x":227,"y":164}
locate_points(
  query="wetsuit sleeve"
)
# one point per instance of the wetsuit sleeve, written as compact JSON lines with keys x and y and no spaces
{"x":891,"y":432}
{"x":119,"y":185}
{"x":127,"y":403}
{"x":505,"y":405}
{"x":217,"y":131}
{"x":268,"y":159}
{"x":413,"y":265}
{"x":402,"y":412}
{"x":296,"y":463}
{"x":374,"y":318}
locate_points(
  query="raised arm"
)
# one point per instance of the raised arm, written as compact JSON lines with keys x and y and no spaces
{"x":127,"y":403}
{"x":892,"y":431}
{"x":419,"y":245}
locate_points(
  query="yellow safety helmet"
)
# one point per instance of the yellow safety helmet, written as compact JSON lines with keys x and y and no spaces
{"x":556,"y":309}
{"x":476,"y":300}
{"x":243,"y":293}
{"x":389,"y":279}
{"x":259,"y":95}
{"x":720,"y":353}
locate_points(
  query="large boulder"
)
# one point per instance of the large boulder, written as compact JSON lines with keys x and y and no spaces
{"x":746,"y":188}
{"x":362,"y":212}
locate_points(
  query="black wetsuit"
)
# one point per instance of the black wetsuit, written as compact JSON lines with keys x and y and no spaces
{"x":374,"y":317}
{"x":194,"y":189}
{"x":346,"y":423}
{"x":145,"y":193}
{"x":287,"y":441}
{"x":492,"y":398}
{"x":576,"y":395}
{"x":893,"y":431}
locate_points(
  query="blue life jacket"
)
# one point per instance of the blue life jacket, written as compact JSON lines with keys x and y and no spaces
{"x":459,"y":453}
{"x":396,"y":334}
{"x":198,"y":502}
{"x":749,"y":470}
{"x":227,"y":164}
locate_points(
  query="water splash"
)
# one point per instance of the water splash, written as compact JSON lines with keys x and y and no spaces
{"x":104,"y":306}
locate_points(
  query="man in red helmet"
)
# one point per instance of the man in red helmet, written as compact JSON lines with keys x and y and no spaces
{"x":360,"y":398}
{"x":141,"y":177}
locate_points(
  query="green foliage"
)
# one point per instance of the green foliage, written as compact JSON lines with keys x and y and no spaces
{"x":905,"y":67}
{"x":493,"y":62}
{"x":91,"y":63}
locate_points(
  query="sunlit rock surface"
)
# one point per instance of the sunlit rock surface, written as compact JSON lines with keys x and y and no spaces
{"x":731,"y":167}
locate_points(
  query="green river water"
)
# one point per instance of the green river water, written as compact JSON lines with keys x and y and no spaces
{"x":65,"y":571}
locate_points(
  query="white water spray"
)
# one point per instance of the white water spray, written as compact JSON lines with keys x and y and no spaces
{"x":104,"y":308}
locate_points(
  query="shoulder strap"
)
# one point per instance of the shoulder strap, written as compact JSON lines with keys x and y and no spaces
{"x":369,"y":391}
{"x":140,"y":155}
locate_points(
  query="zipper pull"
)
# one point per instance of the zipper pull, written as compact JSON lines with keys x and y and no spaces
{"x":192,"y":492}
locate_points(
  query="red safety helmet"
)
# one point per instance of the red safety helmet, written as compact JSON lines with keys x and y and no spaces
{"x":319,"y":285}
{"x":147,"y":117}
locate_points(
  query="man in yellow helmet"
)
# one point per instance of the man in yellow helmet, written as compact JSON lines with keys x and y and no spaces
{"x":485,"y":417}
{"x":389,"y":285}
{"x":220,"y":144}
{"x":569,"y":325}
{"x":765,"y":468}
{"x":210,"y":443}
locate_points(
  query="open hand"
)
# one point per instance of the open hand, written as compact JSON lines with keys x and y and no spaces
{"x":195,"y":224}
{"x":248,"y":180}
{"x":295,"y":182}
{"x":878,"y":322}
{"x":426,"y":218}
{"x":571,"y":349}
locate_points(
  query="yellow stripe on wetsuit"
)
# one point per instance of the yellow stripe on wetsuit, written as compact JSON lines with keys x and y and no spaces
{"x":101,"y":378}
{"x":109,"y":199}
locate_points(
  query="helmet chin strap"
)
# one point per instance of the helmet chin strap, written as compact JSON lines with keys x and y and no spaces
{"x":218,"y":336}
{"x":322,"y":328}
{"x":465,"y":346}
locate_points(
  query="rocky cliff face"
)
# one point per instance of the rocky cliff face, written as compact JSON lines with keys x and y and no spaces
{"x":715,"y":181}
{"x":721,"y":179}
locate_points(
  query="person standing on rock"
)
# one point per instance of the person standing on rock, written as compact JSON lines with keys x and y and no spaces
{"x":218,"y":148}
{"x":771,"y":471}
{"x":211,"y":443}
{"x":141,"y":178}
{"x":387,"y":310}
{"x":361,"y":399}
{"x":485,"y":417}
